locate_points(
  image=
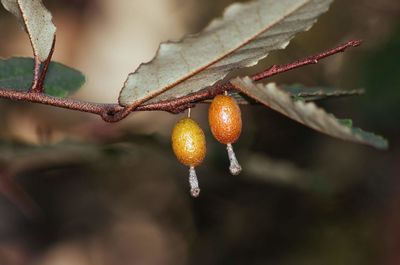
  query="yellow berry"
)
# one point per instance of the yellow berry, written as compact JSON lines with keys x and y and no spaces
{"x":188,"y":142}
{"x":225,"y":119}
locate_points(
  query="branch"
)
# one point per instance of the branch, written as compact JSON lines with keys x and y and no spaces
{"x":115,"y":112}
{"x":180,"y":104}
{"x":277,"y":69}
{"x":66,"y":103}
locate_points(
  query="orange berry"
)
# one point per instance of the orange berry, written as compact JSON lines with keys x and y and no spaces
{"x":225,"y":119}
{"x":188,"y":142}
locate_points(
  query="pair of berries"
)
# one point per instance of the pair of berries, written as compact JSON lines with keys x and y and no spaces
{"x":189,"y":143}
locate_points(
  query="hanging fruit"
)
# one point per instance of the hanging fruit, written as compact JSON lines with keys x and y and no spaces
{"x":224,"y":117}
{"x":189,"y":146}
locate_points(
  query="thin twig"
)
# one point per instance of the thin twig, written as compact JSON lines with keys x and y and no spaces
{"x":115,"y":112}
{"x":277,"y":69}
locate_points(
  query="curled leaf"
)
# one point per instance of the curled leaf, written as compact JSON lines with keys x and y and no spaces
{"x":36,"y":20}
{"x":306,"y":113}
{"x":318,"y":93}
{"x":245,"y":35}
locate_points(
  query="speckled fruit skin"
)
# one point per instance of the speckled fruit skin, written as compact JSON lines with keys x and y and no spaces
{"x":188,"y":142}
{"x":225,"y":119}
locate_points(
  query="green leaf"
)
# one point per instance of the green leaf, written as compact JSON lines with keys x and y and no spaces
{"x":17,"y":73}
{"x":297,"y":98}
{"x":346,"y":122}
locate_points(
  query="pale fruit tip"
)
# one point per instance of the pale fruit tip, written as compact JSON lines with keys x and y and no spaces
{"x":234,"y":166}
{"x":194,"y":183}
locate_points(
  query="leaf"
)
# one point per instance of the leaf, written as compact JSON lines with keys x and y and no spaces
{"x":318,"y":93}
{"x":37,"y":23}
{"x":300,"y":92}
{"x":306,"y":113}
{"x":16,"y":73}
{"x":245,"y":35}
{"x":346,"y":122}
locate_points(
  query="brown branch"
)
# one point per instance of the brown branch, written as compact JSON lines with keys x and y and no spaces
{"x":277,"y":69}
{"x":115,"y":112}
{"x":181,"y":104}
{"x":66,"y":103}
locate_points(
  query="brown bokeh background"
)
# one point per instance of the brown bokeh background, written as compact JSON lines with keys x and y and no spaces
{"x":75,"y":190}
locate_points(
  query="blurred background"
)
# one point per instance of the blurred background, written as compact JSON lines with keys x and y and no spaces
{"x":75,"y":190}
